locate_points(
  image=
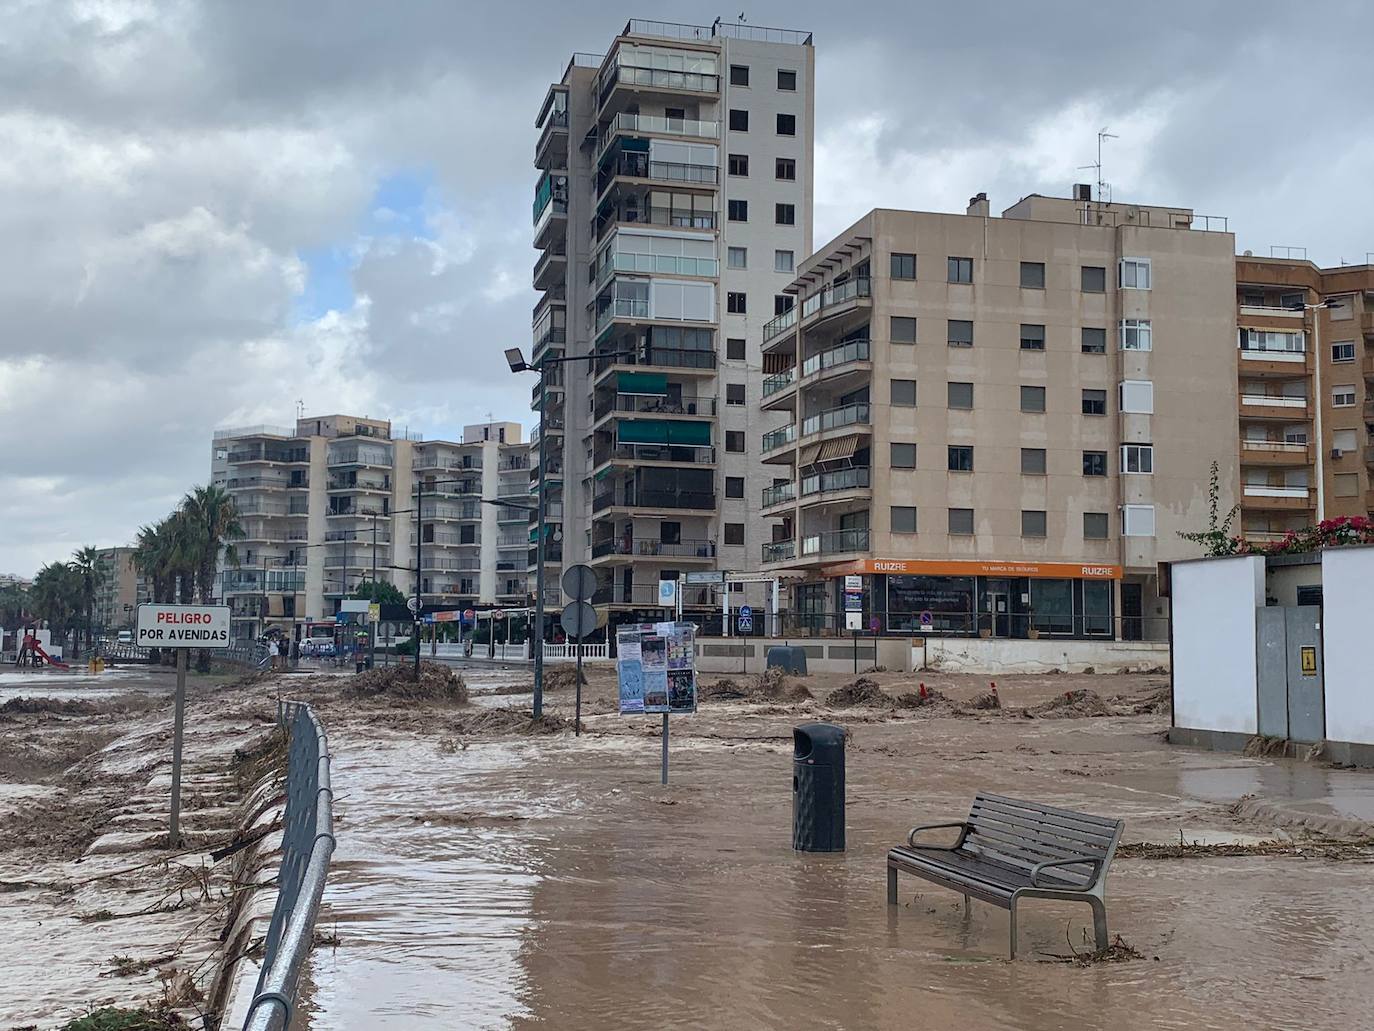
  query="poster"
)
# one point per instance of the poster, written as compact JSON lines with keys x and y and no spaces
{"x":630,"y":670}
{"x":656,"y":663}
{"x":653,"y":652}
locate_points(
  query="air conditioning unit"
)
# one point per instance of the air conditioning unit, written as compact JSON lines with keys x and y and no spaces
{"x":1336,"y":452}
{"x":1082,"y":191}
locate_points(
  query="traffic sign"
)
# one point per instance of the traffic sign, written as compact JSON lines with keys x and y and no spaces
{"x":667,"y":593}
{"x":578,"y":619}
{"x":469,"y":615}
{"x":413,"y":604}
{"x":746,"y":619}
{"x":853,"y":582}
{"x":183,"y":626}
{"x":875,"y":624}
{"x":927,"y":618}
{"x":579,"y":582}
{"x":853,"y":601}
{"x":697,"y":577}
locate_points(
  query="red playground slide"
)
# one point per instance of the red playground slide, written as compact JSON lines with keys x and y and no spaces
{"x":31,"y":644}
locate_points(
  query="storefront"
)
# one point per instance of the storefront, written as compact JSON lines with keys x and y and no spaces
{"x":987,"y":599}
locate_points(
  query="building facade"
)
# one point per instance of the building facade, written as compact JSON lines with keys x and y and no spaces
{"x":673,"y":205}
{"x":1000,"y":425}
{"x":333,"y":501}
{"x":1306,"y":373}
{"x":120,"y":591}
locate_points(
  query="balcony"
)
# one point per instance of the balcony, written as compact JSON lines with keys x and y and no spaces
{"x":512,"y":541}
{"x":363,"y":536}
{"x":779,"y":325}
{"x":1260,"y":496}
{"x":653,"y":454}
{"x":550,"y":267}
{"x":455,"y":565}
{"x":269,"y":456}
{"x":640,"y":547}
{"x":655,"y":498}
{"x":632,"y":124}
{"x":453,"y":540}
{"x":256,"y":483}
{"x":618,"y":75}
{"x":358,"y":484}
{"x":446,"y":513}
{"x":1273,"y":406}
{"x":262,"y":508}
{"x":856,"y":414}
{"x":552,"y":428}
{"x":554,"y":336}
{"x":651,"y":404}
{"x":1367,"y":365}
{"x":779,"y":551}
{"x":835,"y":542}
{"x":638,"y":165}
{"x":1367,"y":324}
{"x":830,"y":299}
{"x":775,"y":440}
{"x":645,"y":214}
{"x":632,"y":309}
{"x":552,"y":149}
{"x":779,"y":494}
{"x":1275,"y":452}
{"x":779,"y":381}
{"x":841,"y":481}
{"x":358,"y":511}
{"x":1275,"y":363}
{"x":652,"y":358}
{"x":1369,"y":457}
{"x":378,"y":458}
{"x":614,"y":261}
{"x":849,"y":353}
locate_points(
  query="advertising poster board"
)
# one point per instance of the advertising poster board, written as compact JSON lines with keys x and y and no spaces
{"x":656,"y":664}
{"x":630,"y":671}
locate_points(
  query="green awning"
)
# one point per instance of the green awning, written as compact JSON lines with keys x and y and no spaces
{"x":661,"y":431}
{"x":642,"y":383}
{"x":633,"y":144}
{"x":690,"y":434}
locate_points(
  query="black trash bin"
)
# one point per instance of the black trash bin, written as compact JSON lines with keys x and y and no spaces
{"x":818,"y":788}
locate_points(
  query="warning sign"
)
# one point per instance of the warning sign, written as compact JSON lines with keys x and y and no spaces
{"x":183,"y":626}
{"x":1308,"y":657}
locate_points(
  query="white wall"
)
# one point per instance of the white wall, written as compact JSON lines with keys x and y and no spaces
{"x":976,"y":655}
{"x":1347,"y":599}
{"x":1214,"y":602}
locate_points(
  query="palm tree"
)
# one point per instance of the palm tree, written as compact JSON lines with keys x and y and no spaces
{"x":212,"y":526}
{"x":15,"y":605}
{"x":153,"y":559}
{"x":57,"y":598}
{"x":91,"y":574}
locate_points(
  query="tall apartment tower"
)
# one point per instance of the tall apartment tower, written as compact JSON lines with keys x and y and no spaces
{"x":673,"y":204}
{"x":1306,"y":373}
{"x":1000,"y":425}
{"x":327,"y":501}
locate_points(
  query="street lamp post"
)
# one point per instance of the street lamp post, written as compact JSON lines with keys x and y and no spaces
{"x":516,"y":360}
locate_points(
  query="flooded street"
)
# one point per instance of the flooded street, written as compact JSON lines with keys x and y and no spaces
{"x":551,"y":882}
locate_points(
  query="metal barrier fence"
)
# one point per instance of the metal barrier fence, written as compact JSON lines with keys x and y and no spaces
{"x":307,"y":845}
{"x":252,"y":654}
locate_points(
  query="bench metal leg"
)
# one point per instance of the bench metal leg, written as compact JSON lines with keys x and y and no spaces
{"x":1099,"y":922}
{"x":968,"y":907}
{"x":891,"y":885}
{"x":1012,"y":920}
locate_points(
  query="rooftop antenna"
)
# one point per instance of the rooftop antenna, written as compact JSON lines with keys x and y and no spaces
{"x":300,"y":408}
{"x":1104,"y":189}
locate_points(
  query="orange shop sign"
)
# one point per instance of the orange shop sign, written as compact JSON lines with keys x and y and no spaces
{"x":943,"y":567}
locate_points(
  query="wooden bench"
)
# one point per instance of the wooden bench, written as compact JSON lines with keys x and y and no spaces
{"x":1008,"y":850}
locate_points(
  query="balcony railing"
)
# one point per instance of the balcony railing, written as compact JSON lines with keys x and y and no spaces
{"x":779,"y":551}
{"x":678,"y":218}
{"x":839,"y":293}
{"x":455,"y":565}
{"x":365,"y":511}
{"x":1282,"y":448}
{"x":631,"y":123}
{"x":779,"y":381}
{"x":844,"y":354}
{"x":778,"y":494}
{"x":652,"y":547}
{"x":622,"y":308}
{"x":835,"y":418}
{"x":640,"y":166}
{"x":363,"y":536}
{"x":834,"y":542}
{"x":856,"y":478}
{"x":651,"y":404}
{"x":360,"y":456}
{"x":662,"y":357}
{"x":1273,"y":354}
{"x":654,"y":78}
{"x":648,"y":497}
{"x":1274,"y":401}
{"x":654,"y":453}
{"x":445,"y":512}
{"x":454,"y":540}
{"x":779,"y":324}
{"x":647,"y":264}
{"x":781,"y":437}
{"x":344,"y":483}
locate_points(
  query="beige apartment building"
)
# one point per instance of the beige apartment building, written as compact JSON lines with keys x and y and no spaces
{"x":1000,"y":425}
{"x":1305,"y":362}
{"x":121,"y":590}
{"x":330,"y":500}
{"x":672,"y":206}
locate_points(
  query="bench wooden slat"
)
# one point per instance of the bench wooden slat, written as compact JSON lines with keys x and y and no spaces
{"x":1023,"y":854}
{"x":1051,"y":837}
{"x":979,"y":869}
{"x":1105,"y":823}
{"x":1043,"y":824}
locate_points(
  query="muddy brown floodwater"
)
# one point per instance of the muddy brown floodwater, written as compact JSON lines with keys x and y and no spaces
{"x":550,"y":882}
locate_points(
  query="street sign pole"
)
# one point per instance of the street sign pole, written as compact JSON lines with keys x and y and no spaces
{"x":665,"y":750}
{"x":174,"y":831}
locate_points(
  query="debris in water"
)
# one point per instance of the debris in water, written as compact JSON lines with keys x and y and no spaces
{"x":862,"y":691}
{"x":987,"y":700}
{"x":1328,"y":848}
{"x":1117,"y":951}
{"x":506,"y":721}
{"x":1082,"y":702}
{"x":437,"y":683}
{"x":113,"y":1018}
{"x":561,"y":678}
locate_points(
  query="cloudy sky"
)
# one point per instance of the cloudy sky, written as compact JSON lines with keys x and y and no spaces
{"x":213,"y":209}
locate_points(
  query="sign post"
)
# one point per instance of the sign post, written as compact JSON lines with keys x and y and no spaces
{"x":181,"y":628}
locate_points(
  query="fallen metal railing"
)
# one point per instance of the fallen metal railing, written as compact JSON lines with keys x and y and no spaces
{"x":307,"y":845}
{"x":253,"y":655}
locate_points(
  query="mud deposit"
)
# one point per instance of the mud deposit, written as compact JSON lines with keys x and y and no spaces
{"x":541,"y":881}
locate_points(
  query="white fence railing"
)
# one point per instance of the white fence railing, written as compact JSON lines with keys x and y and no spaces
{"x":568,"y":653}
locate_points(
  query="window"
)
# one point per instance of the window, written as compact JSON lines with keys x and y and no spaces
{"x":1252,"y":298}
{"x":960,"y":270}
{"x":960,"y":333}
{"x":1272,"y":340}
{"x":1344,"y":441}
{"x":737,"y":257}
{"x":1094,"y":402}
{"x":739,"y":121}
{"x":1343,"y":397}
{"x":1346,"y":485}
{"x":961,"y":521}
{"x":787,"y":125}
{"x":1032,"y":461}
{"x":1032,"y":523}
{"x":734,"y":393}
{"x":734,"y":533}
{"x":1094,"y":279}
{"x":903,"y":393}
{"x":1032,"y":337}
{"x":1137,"y":458}
{"x":1094,"y":463}
{"x":785,"y":168}
{"x":738,"y":164}
{"x":782,"y":303}
{"x":902,"y":456}
{"x":1296,"y":300}
{"x":467,"y":534}
{"x":1095,"y":526}
{"x":735,"y":303}
{"x":1135,"y":275}
{"x":1138,"y":396}
{"x":734,"y":486}
{"x":785,"y":214}
{"x":902,"y":329}
{"x":737,"y":210}
{"x":903,"y":266}
{"x":1343,"y":352}
{"x":960,"y":458}
{"x":960,"y":395}
{"x":903,"y":519}
{"x":784,"y":261}
{"x":1135,"y":335}
{"x":1094,"y":340}
{"x":1138,"y":520}
{"x":734,"y":349}
{"x":787,"y":80}
{"x":734,"y":441}
{"x":1032,"y":275}
{"x":739,"y":75}
{"x":1032,"y":399}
